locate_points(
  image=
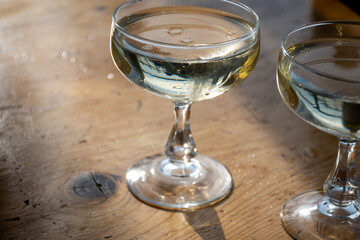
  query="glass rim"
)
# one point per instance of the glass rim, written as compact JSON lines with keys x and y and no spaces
{"x":188,"y":46}
{"x":307,"y":68}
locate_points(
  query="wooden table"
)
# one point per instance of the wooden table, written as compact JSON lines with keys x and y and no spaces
{"x":70,"y":126}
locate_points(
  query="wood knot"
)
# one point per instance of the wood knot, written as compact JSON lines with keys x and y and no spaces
{"x":92,"y":185}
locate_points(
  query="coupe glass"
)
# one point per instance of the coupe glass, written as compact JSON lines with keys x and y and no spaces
{"x":184,"y":51}
{"x":318,"y":76}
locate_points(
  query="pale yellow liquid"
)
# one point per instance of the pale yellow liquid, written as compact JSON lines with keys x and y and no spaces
{"x":180,"y":74}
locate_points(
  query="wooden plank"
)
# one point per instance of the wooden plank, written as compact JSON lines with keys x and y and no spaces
{"x":70,"y":126}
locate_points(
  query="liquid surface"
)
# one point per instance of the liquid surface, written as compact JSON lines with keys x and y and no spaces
{"x":185,"y":74}
{"x":330,"y":99}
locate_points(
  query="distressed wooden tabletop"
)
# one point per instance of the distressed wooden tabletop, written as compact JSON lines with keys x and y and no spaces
{"x":70,"y":126}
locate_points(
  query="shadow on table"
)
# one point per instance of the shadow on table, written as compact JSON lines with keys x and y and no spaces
{"x":10,"y":219}
{"x":206,"y":223}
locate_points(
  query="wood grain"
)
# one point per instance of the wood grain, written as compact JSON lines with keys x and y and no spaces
{"x":70,"y":126}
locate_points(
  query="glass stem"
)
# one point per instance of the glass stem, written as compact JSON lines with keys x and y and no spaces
{"x":342,"y":185}
{"x":180,"y":146}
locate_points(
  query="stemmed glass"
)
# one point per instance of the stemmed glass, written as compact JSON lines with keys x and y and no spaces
{"x":318,"y":76}
{"x":185,"y":51}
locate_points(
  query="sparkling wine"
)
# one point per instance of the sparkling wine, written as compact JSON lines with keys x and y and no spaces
{"x":325,"y":102}
{"x":177,"y":72}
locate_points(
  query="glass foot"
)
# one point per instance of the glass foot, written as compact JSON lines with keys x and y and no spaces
{"x":302,"y":218}
{"x":160,"y":183}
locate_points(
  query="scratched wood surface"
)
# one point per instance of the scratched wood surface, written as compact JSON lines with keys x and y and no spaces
{"x":70,"y":125}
